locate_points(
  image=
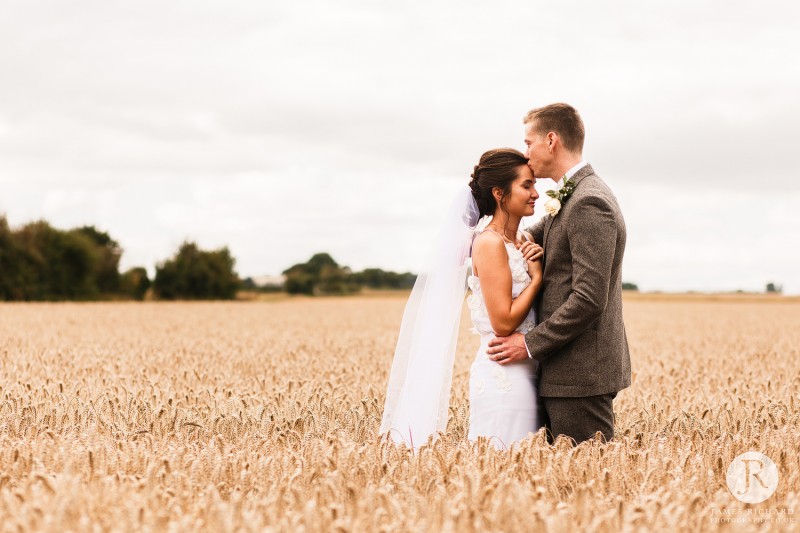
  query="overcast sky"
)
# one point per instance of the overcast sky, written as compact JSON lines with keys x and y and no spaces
{"x":281,"y":129}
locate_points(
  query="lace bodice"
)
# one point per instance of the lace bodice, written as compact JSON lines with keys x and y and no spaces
{"x":519,"y":280}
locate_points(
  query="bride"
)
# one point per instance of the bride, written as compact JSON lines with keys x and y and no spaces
{"x":506,"y":276}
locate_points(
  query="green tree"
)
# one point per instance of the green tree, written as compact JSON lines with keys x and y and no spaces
{"x":11,"y":283}
{"x":106,"y":259}
{"x":319,"y":275}
{"x":249,"y":284}
{"x":54,"y":264}
{"x":299,"y":282}
{"x":772,"y":288}
{"x":195,"y":274}
{"x":40,"y":262}
{"x":376,"y":278}
{"x":134,"y":283}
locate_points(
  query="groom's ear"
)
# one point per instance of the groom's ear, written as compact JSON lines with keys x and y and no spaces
{"x":552,"y":139}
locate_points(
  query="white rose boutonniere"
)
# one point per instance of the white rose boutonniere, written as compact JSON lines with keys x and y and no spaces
{"x":552,"y":206}
{"x":557,"y":197}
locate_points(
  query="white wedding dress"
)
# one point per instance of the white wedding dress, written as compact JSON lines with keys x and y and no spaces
{"x":503,"y":400}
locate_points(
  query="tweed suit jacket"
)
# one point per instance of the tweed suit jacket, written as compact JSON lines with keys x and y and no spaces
{"x":580,"y":339}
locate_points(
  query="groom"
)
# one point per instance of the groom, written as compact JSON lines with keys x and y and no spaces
{"x":580,"y":340}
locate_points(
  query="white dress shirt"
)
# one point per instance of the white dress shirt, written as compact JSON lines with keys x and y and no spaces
{"x":571,"y":172}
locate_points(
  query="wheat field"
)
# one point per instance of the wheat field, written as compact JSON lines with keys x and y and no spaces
{"x":263,"y":416}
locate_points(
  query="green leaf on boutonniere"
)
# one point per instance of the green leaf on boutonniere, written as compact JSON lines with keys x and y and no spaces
{"x":563,"y":192}
{"x":567,"y":189}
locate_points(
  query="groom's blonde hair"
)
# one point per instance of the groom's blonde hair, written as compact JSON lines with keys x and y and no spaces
{"x":562,"y":119}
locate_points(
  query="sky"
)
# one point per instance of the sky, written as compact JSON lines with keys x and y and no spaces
{"x":283,"y":129}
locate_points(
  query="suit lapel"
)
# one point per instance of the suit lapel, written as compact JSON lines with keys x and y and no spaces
{"x":579,"y":175}
{"x":548,"y":223}
{"x":582,"y":173}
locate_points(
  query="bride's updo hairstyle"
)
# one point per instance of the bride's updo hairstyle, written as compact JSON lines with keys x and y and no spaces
{"x":496,"y":168}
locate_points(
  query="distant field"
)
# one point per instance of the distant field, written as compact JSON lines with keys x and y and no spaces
{"x":262,"y":415}
{"x":711,"y":297}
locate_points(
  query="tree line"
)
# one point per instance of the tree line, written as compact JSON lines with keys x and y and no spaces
{"x":40,"y":262}
{"x":323,"y":275}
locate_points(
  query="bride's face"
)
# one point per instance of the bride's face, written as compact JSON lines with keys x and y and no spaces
{"x":523,"y":194}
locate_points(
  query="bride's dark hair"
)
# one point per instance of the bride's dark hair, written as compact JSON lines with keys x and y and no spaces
{"x":496,"y":168}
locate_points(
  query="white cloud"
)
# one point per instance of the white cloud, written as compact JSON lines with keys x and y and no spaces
{"x":281,"y":130}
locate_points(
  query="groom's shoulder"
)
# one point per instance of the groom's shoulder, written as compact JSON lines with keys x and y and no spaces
{"x":593,"y":194}
{"x":592,"y":181}
{"x":593,"y":185}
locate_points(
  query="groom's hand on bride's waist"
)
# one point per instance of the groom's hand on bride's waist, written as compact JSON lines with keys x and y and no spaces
{"x":505,"y":350}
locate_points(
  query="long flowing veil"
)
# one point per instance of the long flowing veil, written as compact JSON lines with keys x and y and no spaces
{"x":418,"y":393}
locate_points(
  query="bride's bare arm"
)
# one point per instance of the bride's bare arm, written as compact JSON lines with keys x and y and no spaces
{"x":490,"y":264}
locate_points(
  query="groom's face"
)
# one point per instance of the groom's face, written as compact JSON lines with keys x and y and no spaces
{"x":537,"y":151}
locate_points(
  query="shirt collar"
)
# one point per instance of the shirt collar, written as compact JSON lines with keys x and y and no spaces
{"x":571,"y":172}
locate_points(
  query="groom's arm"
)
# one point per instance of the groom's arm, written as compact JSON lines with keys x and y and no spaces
{"x":592,"y":234}
{"x":537,"y":230}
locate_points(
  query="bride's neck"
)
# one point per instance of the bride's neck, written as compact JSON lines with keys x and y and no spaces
{"x":506,"y":224}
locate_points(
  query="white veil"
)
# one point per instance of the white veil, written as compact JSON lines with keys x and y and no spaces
{"x":418,"y":394}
